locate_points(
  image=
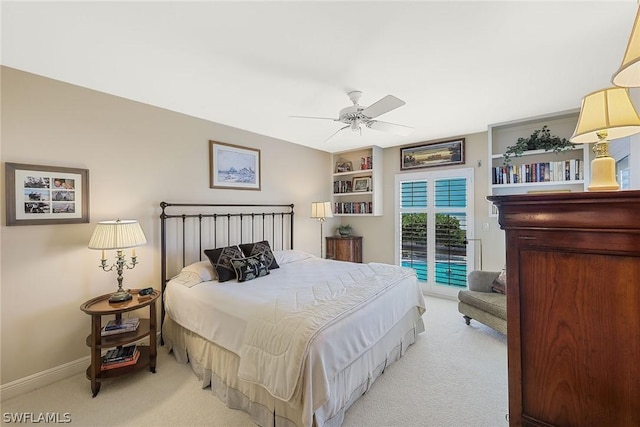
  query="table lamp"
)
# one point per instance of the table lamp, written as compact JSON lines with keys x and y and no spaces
{"x":321,"y":210}
{"x":118,"y":235}
{"x":605,"y":114}
{"x":628,"y":75}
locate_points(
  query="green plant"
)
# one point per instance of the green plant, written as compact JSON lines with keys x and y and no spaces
{"x":344,"y":229}
{"x":449,"y":233}
{"x":540,"y":139}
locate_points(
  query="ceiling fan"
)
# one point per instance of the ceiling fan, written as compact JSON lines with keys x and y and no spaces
{"x":356,"y":116}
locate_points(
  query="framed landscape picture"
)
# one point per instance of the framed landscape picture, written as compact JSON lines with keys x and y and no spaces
{"x":233,"y":167}
{"x":38,"y":194}
{"x":427,"y":155}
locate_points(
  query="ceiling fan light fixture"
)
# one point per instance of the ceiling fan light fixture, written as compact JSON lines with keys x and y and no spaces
{"x":354,"y":116}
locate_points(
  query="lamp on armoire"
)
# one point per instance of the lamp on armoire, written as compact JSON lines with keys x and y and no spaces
{"x":320,"y":211}
{"x":611,"y":114}
{"x":604,"y":115}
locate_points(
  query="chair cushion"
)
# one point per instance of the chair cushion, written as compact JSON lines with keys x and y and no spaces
{"x":491,"y":302}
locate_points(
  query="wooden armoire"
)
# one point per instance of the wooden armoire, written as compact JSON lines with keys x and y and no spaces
{"x":573,"y":307}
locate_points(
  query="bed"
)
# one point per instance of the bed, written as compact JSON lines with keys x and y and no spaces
{"x":286,"y":336}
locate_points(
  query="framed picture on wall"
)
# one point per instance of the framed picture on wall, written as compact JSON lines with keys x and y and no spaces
{"x":234,"y":167}
{"x":37,"y":194}
{"x":432,"y":154}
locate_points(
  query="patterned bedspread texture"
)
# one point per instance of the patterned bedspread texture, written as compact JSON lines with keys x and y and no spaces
{"x":279,"y":333}
{"x":299,"y":328}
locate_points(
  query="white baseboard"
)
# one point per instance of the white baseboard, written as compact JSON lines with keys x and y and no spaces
{"x":50,"y":376}
{"x":44,"y":378}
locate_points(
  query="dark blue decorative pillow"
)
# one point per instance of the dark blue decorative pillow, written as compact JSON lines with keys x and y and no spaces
{"x":250,"y":268}
{"x":220,"y":259}
{"x":250,"y":249}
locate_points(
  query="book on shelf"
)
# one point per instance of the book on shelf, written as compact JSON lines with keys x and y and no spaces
{"x":342,"y":187}
{"x":131,"y":361}
{"x":366,"y":163}
{"x":120,"y":326}
{"x":557,"y":171}
{"x":353,"y":207}
{"x":120,"y":354}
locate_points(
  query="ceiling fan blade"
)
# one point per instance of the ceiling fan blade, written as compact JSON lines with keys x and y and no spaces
{"x":390,"y":127}
{"x":336,"y":132}
{"x":321,"y":118}
{"x":382,"y":106}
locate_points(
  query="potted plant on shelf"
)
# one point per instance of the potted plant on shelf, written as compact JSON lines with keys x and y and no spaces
{"x":540,"y":139}
{"x":344,"y":230}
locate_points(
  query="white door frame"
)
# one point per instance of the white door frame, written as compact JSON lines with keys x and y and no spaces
{"x":429,"y":287}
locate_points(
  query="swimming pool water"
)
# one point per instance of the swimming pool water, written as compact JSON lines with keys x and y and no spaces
{"x":448,"y":274}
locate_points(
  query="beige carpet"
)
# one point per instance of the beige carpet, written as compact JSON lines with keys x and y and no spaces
{"x":455,"y":375}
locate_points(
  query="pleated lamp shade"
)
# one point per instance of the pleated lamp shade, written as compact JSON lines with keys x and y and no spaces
{"x":608,"y":110}
{"x":628,"y":75}
{"x":119,"y":234}
{"x":321,"y":210}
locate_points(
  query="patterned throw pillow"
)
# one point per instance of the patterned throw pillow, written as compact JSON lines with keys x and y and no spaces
{"x":250,"y":249}
{"x":499,"y":285}
{"x":220,"y":259}
{"x":250,"y":268}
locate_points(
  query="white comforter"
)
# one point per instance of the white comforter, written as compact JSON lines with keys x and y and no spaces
{"x":351,"y":305}
{"x":280,"y":331}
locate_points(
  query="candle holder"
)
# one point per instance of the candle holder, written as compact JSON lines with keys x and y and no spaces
{"x":120,"y":295}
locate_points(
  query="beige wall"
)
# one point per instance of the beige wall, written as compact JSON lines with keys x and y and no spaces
{"x":137,"y":156}
{"x":379,"y":234}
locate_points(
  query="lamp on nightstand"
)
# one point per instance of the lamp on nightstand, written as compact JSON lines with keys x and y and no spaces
{"x":605,"y":114}
{"x":118,"y":235}
{"x":321,"y":210}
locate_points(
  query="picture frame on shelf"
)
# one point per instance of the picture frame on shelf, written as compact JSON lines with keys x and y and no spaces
{"x":344,"y":166}
{"x":426,"y":155}
{"x":234,"y":167}
{"x":361,"y":184}
{"x":41,"y":195}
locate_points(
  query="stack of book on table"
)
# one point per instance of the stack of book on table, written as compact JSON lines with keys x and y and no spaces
{"x":119,"y":357}
{"x":120,"y":326}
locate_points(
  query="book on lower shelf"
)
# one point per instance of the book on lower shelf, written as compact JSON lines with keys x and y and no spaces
{"x":119,"y":354}
{"x":132,"y":360}
{"x":120,"y":326}
{"x":352,"y":207}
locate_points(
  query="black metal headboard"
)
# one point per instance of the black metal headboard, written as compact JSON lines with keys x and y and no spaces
{"x":187,"y":229}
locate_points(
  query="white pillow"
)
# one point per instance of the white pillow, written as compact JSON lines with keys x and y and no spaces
{"x":204,"y":269}
{"x":290,"y":255}
{"x":186,"y":279}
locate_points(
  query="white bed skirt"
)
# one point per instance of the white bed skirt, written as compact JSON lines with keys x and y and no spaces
{"x":218,"y":367}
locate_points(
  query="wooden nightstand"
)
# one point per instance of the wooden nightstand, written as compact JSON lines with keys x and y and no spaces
{"x":345,"y":248}
{"x":100,"y":306}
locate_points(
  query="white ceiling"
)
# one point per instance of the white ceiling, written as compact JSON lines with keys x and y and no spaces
{"x":458,"y":65}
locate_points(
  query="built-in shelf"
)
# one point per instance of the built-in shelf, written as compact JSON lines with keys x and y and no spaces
{"x":503,"y":135}
{"x":364,"y":172}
